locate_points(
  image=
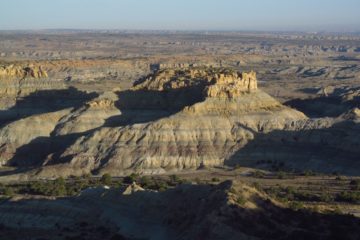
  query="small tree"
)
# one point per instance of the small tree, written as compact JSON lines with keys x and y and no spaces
{"x":355,"y":184}
{"x":131,"y":178}
{"x":281,"y":175}
{"x":145,"y":181}
{"x":59,"y":187}
{"x":106,"y":179}
{"x":8,"y":191}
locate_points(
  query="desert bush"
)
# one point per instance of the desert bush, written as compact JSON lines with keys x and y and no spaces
{"x":281,"y":175}
{"x":131,"y":178}
{"x":326,"y":197}
{"x":355,"y":184}
{"x":308,"y":173}
{"x":49,"y":188}
{"x":215,"y":179}
{"x":161,"y":186}
{"x":240,"y":200}
{"x":106,"y":179}
{"x":8,"y":191}
{"x":232,"y":190}
{"x":295,"y":205}
{"x":59,"y":188}
{"x":258,"y":174}
{"x":197,"y":180}
{"x":257,"y":186}
{"x":339,"y":178}
{"x":348,"y":196}
{"x":146,"y":182}
{"x":174,"y":180}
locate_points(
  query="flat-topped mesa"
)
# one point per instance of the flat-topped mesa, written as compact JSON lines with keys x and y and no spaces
{"x":214,"y":82}
{"x":230,"y":85}
{"x":12,"y":71}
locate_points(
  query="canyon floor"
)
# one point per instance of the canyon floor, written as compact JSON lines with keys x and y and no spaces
{"x":179,"y":135}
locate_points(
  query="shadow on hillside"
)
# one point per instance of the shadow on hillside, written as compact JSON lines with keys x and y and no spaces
{"x":44,"y":102}
{"x":34,"y":154}
{"x":327,"y":150}
{"x":188,"y":211}
{"x":142,"y":106}
{"x":320,"y":106}
{"x":135,"y":106}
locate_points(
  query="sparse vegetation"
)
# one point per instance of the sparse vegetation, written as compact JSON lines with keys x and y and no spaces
{"x":355,"y":184}
{"x":50,"y":188}
{"x":106,"y":179}
{"x":308,"y":173}
{"x":295,"y":205}
{"x":8,"y":191}
{"x":131,"y":178}
{"x":215,"y":179}
{"x":258,"y":174}
{"x":240,"y":200}
{"x":281,"y":175}
{"x":349,"y":196}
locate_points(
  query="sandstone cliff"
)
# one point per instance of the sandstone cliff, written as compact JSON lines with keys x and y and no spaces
{"x":216,"y":82}
{"x":173,"y":120}
{"x":178,"y":119}
{"x":17,"y":71}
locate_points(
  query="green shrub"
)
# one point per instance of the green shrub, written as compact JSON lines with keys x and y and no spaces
{"x":131,"y":178}
{"x":296,"y":205}
{"x":232,"y":190}
{"x":59,"y":188}
{"x":146,"y":182}
{"x":349,"y":196}
{"x":240,"y":200}
{"x":339,"y":178}
{"x":281,"y":175}
{"x":308,"y":173}
{"x":197,"y":180}
{"x":326,"y":197}
{"x":8,"y":191}
{"x":215,"y":179}
{"x":355,"y":184}
{"x":106,"y":179}
{"x":175,"y":180}
{"x":257,"y":186}
{"x":49,"y":188}
{"x":161,"y":186}
{"x":258,"y":174}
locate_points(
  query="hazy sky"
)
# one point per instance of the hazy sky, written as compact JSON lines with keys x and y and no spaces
{"x":305,"y":15}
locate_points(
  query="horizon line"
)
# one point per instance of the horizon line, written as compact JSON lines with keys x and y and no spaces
{"x":183,"y":30}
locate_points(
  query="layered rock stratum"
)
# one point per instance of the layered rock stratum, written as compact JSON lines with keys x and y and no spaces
{"x":172,"y":120}
{"x":11,"y":71}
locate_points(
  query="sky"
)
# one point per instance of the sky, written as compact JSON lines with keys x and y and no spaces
{"x":258,"y":15}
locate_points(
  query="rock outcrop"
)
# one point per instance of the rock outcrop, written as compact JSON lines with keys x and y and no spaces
{"x":16,"y":71}
{"x":20,"y":80}
{"x":232,"y":85}
{"x":177,"y":119}
{"x":216,"y":82}
{"x":173,"y":120}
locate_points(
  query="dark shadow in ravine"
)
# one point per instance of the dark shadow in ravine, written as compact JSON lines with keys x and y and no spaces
{"x":45,"y":101}
{"x":327,"y":150}
{"x":322,"y":106}
{"x":187,"y":212}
